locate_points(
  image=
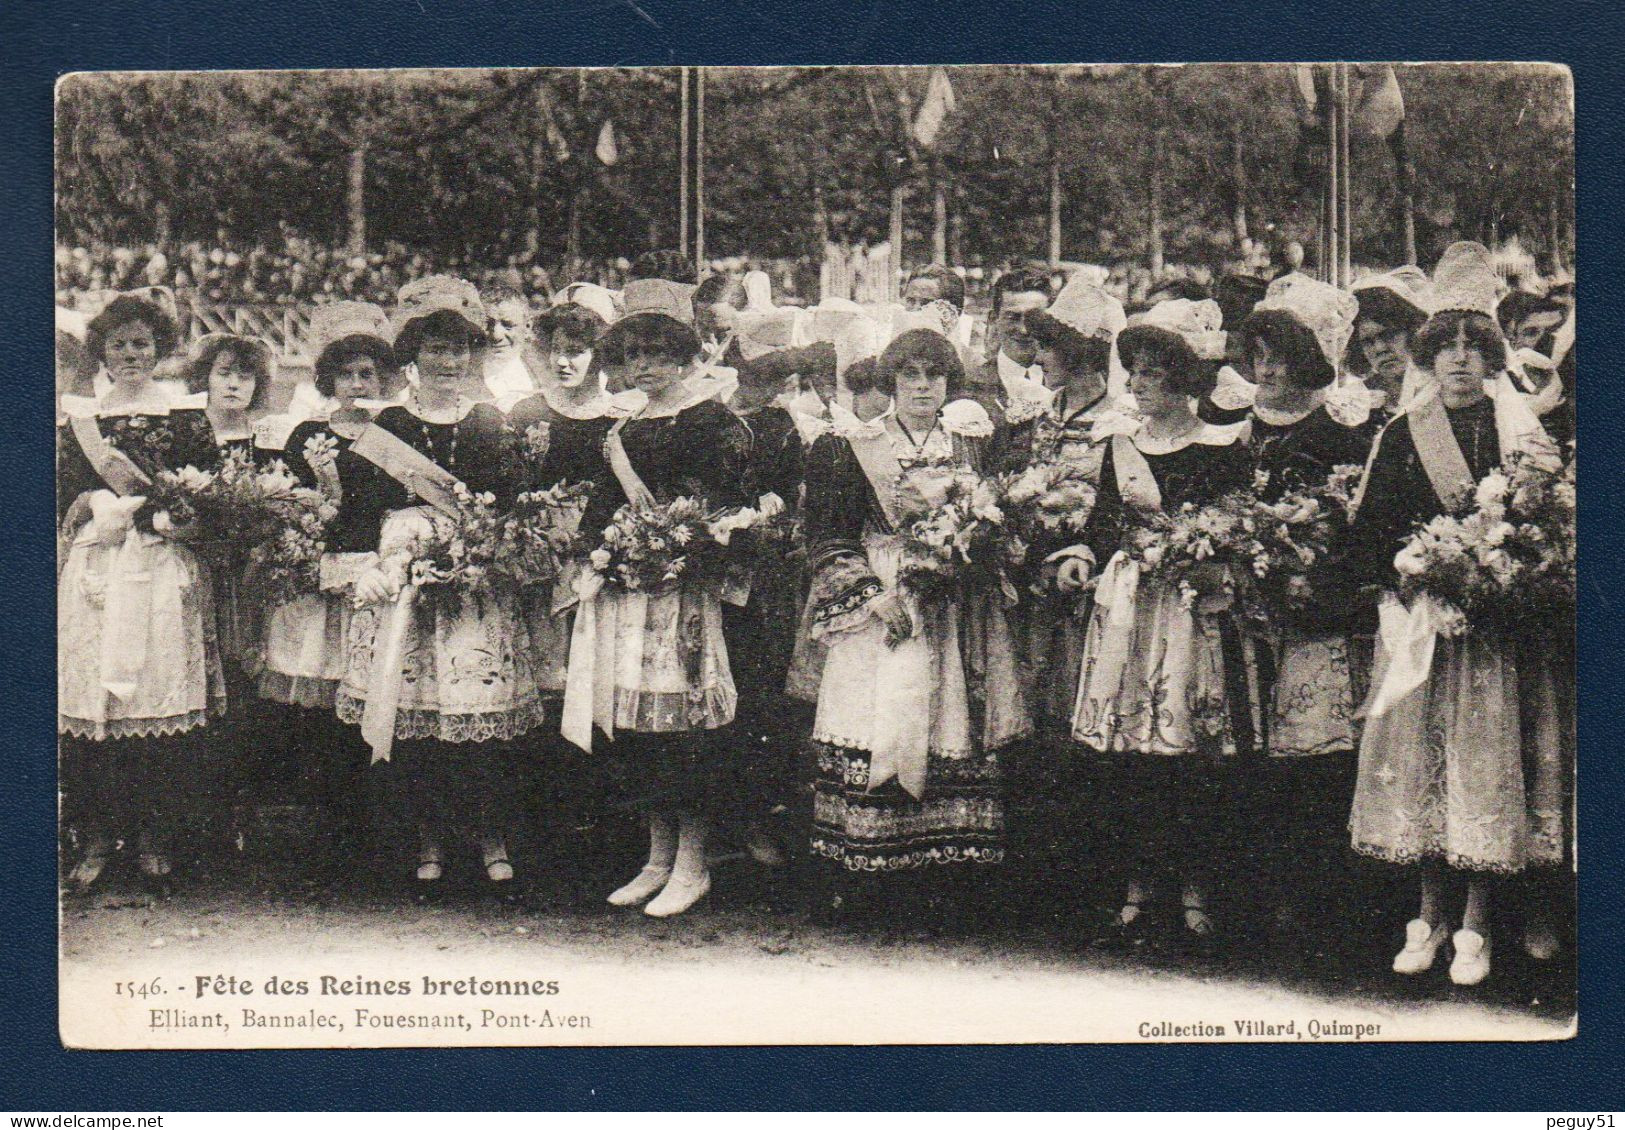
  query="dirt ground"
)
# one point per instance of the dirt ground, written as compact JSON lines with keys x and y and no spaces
{"x":756,"y":934}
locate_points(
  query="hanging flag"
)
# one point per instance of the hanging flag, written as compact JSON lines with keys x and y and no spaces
{"x":1381,"y":107}
{"x":934,"y":111}
{"x":608,"y":151}
{"x":1305,"y":94}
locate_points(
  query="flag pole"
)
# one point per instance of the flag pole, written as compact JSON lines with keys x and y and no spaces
{"x":1345,"y":274}
{"x":683,"y":142}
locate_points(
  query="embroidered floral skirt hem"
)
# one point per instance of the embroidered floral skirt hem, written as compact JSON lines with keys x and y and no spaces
{"x":136,"y":647}
{"x":466,"y":671}
{"x":936,"y":709}
{"x":960,"y":819}
{"x":1159,"y":678}
{"x":1312,"y":699}
{"x":654,"y":671}
{"x":1468,"y":767}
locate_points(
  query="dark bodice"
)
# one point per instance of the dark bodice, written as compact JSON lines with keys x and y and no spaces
{"x":1399,"y":495}
{"x":1302,"y":454}
{"x":1196,"y":473}
{"x":775,"y":455}
{"x":154,"y":442}
{"x":355,"y":529}
{"x":575,"y":447}
{"x":700,"y":452}
{"x":478,"y":450}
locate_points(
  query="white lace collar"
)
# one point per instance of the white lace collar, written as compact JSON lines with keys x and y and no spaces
{"x":848,"y":425}
{"x":1278,"y":419}
{"x":1208,"y":435}
{"x":155,"y":401}
{"x":599,"y":405}
{"x":464,"y":407}
{"x":696,"y":390}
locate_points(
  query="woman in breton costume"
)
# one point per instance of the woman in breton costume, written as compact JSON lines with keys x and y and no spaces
{"x":1074,"y":338}
{"x":305,"y":651}
{"x":442,"y":685}
{"x":918,"y":698}
{"x":1460,"y":765}
{"x":1163,"y":683}
{"x":1293,"y":339}
{"x":561,"y":431}
{"x":1392,"y":307}
{"x":138,"y":673}
{"x":651,"y":670}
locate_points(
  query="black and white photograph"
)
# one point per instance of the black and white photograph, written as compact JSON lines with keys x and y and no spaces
{"x":966,"y":554}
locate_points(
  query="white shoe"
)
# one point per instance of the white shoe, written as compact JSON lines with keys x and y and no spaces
{"x":679,"y":895}
{"x":644,"y":885}
{"x":1540,"y":941}
{"x":1422,"y":944}
{"x":1472,"y":961}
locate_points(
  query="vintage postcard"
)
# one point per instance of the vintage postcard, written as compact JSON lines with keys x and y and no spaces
{"x":951,"y":554}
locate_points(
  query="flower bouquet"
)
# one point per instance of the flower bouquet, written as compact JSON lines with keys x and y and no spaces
{"x":540,"y":533}
{"x":1045,"y":504}
{"x":1210,"y":551}
{"x":650,"y":549}
{"x":965,"y":541}
{"x":1296,"y":534}
{"x":455,"y":555}
{"x":233,"y":513}
{"x":1507,"y":560}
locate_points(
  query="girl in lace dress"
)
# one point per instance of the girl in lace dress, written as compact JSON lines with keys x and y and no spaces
{"x":1292,"y":340}
{"x":138,"y":673}
{"x":442,"y":684}
{"x":1163,"y":685}
{"x":650,"y":670}
{"x":304,"y":639}
{"x":918,"y":696}
{"x":560,"y":432}
{"x":1460,"y":762}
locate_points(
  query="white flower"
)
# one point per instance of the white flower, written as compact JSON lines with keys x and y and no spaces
{"x":966,"y":418}
{"x":1411,"y":561}
{"x":1492,"y":490}
{"x":192,"y":479}
{"x":600,"y":559}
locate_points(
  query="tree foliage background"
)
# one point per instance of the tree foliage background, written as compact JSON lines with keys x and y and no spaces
{"x":1181,"y":161}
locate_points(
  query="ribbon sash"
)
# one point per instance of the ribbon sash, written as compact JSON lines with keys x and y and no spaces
{"x":115,"y":468}
{"x":1118,"y":590}
{"x":1135,"y":482}
{"x":384,"y":685}
{"x":408,"y":466}
{"x":1441,"y":456}
{"x":589,"y":681}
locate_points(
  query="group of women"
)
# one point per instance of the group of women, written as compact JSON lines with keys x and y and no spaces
{"x":813,"y":676}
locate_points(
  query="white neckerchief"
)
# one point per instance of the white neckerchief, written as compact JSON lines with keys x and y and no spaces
{"x":1022,"y":383}
{"x":849,"y":425}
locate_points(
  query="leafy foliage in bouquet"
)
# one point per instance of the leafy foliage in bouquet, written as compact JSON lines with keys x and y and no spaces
{"x":540,"y":534}
{"x":260,"y":520}
{"x":651,"y":549}
{"x":1211,"y":552}
{"x":966,"y":542}
{"x":1508,"y":559}
{"x":1297,"y":533}
{"x":1045,"y":502}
